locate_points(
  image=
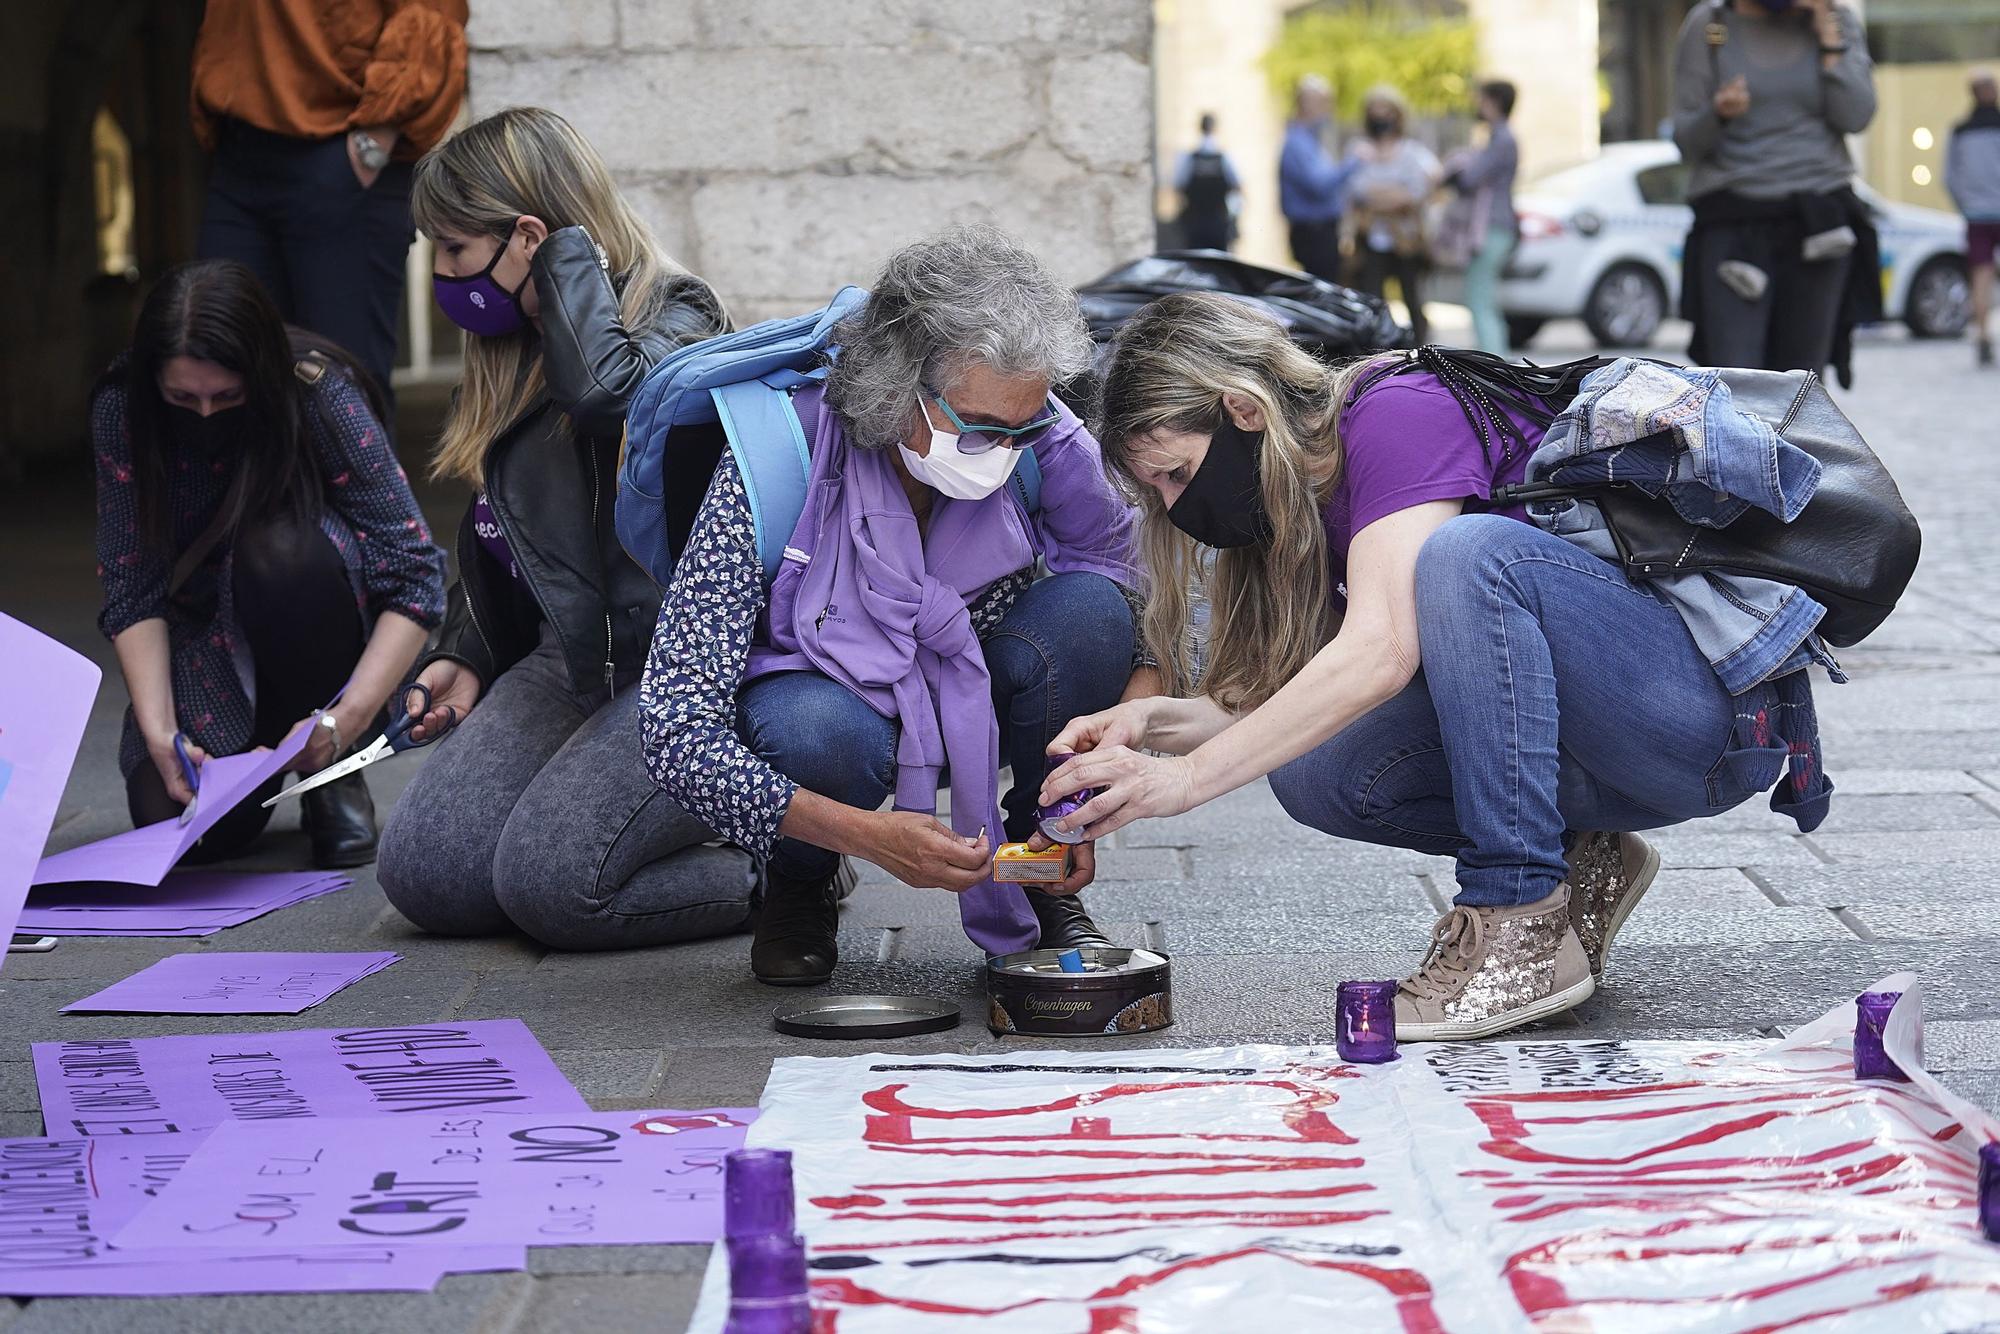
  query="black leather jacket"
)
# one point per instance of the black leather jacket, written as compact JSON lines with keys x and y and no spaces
{"x":551,"y":484}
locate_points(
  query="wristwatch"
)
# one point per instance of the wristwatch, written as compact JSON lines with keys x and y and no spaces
{"x":369,"y":149}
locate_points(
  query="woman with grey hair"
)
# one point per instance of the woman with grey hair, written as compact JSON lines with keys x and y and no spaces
{"x":906,"y":632}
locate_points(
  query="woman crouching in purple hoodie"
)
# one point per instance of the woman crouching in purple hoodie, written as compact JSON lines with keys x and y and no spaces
{"x":907,"y":632}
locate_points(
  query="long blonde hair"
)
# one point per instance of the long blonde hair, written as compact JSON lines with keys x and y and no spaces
{"x":479,"y":182}
{"x":1269,"y":605}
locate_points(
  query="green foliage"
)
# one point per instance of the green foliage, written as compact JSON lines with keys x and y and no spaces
{"x":1369,"y":42}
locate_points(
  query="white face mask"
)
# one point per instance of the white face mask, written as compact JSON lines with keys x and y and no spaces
{"x":959,"y":476}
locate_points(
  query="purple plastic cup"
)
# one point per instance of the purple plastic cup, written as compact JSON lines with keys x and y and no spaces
{"x":768,"y":1290}
{"x":757,"y":1194}
{"x":1046,"y":816}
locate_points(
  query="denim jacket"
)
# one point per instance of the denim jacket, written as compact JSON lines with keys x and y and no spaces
{"x":1672,"y":433}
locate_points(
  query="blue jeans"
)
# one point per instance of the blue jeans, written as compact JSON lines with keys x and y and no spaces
{"x":1482,"y":291}
{"x":1555,"y":695}
{"x":1063,"y":649}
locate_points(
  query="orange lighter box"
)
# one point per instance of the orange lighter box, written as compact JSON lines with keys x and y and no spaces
{"x":1016,"y":864}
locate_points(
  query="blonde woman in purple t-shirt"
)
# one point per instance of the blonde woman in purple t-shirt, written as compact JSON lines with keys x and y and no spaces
{"x":1408,"y":665}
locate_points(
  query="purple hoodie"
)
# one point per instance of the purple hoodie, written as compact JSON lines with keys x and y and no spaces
{"x":865,"y":599}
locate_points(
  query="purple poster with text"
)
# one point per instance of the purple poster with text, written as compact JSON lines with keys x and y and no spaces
{"x":150,"y":1086}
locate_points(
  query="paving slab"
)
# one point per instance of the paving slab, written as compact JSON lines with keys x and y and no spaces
{"x":473,"y":1303}
{"x":1975,"y":883}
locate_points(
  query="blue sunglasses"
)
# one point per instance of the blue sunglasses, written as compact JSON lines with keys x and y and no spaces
{"x":978,"y":439}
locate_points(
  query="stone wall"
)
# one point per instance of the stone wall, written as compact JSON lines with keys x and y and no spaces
{"x":782,"y":148}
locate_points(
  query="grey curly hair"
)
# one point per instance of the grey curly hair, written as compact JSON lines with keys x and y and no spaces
{"x":969,"y":296}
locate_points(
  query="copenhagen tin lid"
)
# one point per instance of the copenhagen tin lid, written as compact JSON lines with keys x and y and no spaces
{"x":853,"y":1017}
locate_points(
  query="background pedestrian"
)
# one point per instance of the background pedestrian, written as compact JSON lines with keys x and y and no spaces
{"x":1972,"y":175}
{"x":1484,"y":180}
{"x":1765,"y":94}
{"x":1393,"y":175}
{"x":314,"y":112}
{"x":1311,"y":182}
{"x":1211,"y":192}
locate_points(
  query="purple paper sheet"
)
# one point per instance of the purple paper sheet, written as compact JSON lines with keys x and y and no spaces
{"x":148,"y":917}
{"x":143,"y":856}
{"x":194,"y":890}
{"x":243,"y":983}
{"x":83,"y":1190}
{"x":594,"y":1178}
{"x":46,"y":692}
{"x":143,"y":1086}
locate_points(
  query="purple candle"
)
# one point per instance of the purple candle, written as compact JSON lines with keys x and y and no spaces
{"x":1989,"y":1190}
{"x":1365,"y":1022}
{"x":768,"y":1292}
{"x":757,"y":1194}
{"x":1871,"y":1016}
{"x":1047,"y":816}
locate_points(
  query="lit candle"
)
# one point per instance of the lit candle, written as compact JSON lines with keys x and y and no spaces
{"x":757,"y":1193}
{"x":1365,"y":1022}
{"x":1871,"y":1016}
{"x":1989,"y":1190}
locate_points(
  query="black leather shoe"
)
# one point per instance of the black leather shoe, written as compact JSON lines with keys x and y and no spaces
{"x":340,"y":817}
{"x":794,"y":944}
{"x":1065,"y":925}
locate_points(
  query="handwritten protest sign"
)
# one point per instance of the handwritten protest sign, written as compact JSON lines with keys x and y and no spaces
{"x":46,"y":692}
{"x":594,"y":1178}
{"x":60,"y":1200}
{"x":245,"y":983}
{"x":145,"y":1086}
{"x":1640,"y":1187}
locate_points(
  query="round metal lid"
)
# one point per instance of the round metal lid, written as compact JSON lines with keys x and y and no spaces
{"x":865,"y":1016}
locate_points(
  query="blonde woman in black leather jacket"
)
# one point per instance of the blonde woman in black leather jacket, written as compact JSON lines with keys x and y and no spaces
{"x":536,"y":812}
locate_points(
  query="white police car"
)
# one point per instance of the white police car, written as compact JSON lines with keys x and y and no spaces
{"x":1602,"y":242}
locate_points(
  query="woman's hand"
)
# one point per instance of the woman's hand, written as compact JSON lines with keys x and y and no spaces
{"x":161,"y":748}
{"x":922,"y":852}
{"x":1732,"y":99}
{"x":1120,"y":725}
{"x":1082,"y":864}
{"x":453,"y":685}
{"x":1130,"y":786}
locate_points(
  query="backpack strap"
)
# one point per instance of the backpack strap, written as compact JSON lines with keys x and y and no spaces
{"x":769,"y":445}
{"x":1026,"y":479}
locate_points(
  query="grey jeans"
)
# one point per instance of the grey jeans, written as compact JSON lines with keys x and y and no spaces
{"x":537,"y":814}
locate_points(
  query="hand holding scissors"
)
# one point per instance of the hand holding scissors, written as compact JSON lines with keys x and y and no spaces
{"x":395,"y":740}
{"x":191,"y":772}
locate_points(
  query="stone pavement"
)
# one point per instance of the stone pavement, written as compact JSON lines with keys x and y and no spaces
{"x":1751,"y":929}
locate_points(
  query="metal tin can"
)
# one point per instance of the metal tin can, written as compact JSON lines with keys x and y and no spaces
{"x":1046,"y":816}
{"x":1120,"y":991}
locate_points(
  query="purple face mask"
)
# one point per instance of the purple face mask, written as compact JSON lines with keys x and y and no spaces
{"x":479,"y":304}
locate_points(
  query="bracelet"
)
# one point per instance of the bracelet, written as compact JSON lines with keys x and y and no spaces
{"x":1840,"y":50}
{"x":332,"y":725}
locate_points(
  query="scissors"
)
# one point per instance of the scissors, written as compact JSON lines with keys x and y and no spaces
{"x":190,"y":771}
{"x":392,"y":742}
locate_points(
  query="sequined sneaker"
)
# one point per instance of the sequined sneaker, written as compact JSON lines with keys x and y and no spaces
{"x":1492,"y":969}
{"x":1608,"y":874}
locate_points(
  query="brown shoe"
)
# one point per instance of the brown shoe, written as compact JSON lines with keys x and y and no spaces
{"x":1492,"y":969}
{"x":1608,"y":874}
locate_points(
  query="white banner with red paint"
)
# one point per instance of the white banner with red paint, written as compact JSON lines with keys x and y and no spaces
{"x":1623,"y":1187}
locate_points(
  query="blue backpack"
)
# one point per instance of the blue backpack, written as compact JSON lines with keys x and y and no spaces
{"x":735,"y":392}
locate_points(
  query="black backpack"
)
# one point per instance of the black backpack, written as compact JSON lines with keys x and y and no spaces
{"x":1853,"y":548}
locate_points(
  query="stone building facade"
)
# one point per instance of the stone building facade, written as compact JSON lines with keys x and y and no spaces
{"x":781,"y":149}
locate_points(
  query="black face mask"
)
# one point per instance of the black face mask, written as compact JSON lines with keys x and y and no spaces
{"x":212,"y":434}
{"x":1222,"y":505}
{"x":1379,"y":127}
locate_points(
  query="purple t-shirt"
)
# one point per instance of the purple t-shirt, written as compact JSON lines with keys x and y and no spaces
{"x":494,"y":542}
{"x":1407,"y":442}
